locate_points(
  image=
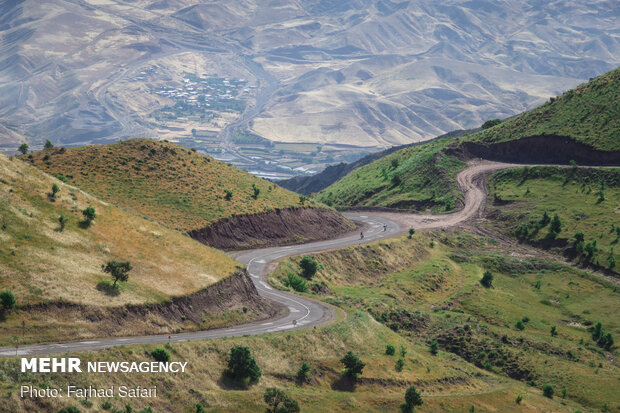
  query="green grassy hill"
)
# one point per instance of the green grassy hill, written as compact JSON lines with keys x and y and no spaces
{"x":418,"y":177}
{"x":164,"y":182}
{"x":585,"y":199}
{"x":590,"y":114}
{"x":427,"y":289}
{"x":424,"y":176}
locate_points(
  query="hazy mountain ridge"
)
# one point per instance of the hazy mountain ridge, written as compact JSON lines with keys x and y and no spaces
{"x":363,"y":72}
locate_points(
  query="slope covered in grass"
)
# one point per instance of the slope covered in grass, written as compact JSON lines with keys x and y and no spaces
{"x":428,"y":290}
{"x":447,"y":384}
{"x":589,"y":114}
{"x":417,"y":177}
{"x":40,"y":263}
{"x":164,"y":182}
{"x":585,"y":199}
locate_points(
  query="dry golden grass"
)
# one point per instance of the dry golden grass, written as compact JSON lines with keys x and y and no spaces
{"x":40,"y":263}
{"x":163,"y":181}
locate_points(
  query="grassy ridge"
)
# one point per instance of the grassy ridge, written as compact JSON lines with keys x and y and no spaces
{"x":589,"y":114}
{"x":165,"y":182}
{"x":418,"y":177}
{"x":40,"y":263}
{"x":431,"y":293}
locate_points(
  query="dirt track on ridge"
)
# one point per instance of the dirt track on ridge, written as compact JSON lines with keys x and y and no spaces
{"x":471,"y":182}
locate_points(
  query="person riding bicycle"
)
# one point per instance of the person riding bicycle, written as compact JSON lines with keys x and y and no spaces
{"x":384,"y":227}
{"x":362,"y":235}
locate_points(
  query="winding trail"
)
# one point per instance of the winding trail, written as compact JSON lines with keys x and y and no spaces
{"x":305,"y":312}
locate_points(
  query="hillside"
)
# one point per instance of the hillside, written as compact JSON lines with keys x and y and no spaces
{"x":177,"y":187}
{"x":589,"y":114}
{"x":310,"y":184}
{"x":68,"y":263}
{"x":580,"y":125}
{"x":418,"y":177}
{"x":427,"y":289}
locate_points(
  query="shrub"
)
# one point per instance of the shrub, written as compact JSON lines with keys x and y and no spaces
{"x":411,"y":232}
{"x":400,"y":363}
{"x":555,"y":228}
{"x":295,"y":282}
{"x":55,"y":190}
{"x":89,"y":215}
{"x":48,"y":145}
{"x":390,"y":350}
{"x":413,"y":398}
{"x":353,"y":366}
{"x":490,"y":123}
{"x":554,"y":331}
{"x":303,"y":374}
{"x":487,"y":279}
{"x":309,"y":267}
{"x":8,"y":300}
{"x":434,"y":348}
{"x":279,"y":402}
{"x":522,"y":232}
{"x":69,"y":409}
{"x":255,"y":191}
{"x":200,"y":408}
{"x":161,"y":355}
{"x":229,"y":194}
{"x":23,"y":148}
{"x":241,"y":366}
{"x":520,"y":325}
{"x":519,"y":399}
{"x":545,"y":219}
{"x":548,"y":391}
{"x":303,"y":199}
{"x":62,"y":220}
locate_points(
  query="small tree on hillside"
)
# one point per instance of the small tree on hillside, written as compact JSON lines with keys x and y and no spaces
{"x":548,"y":391}
{"x":242,"y":367}
{"x":545,"y":219}
{"x":255,"y":191}
{"x":411,"y":232}
{"x":309,"y":267}
{"x":353,"y":366}
{"x":55,"y":190}
{"x":390,"y":350}
{"x":23,"y":148}
{"x":555,"y":228}
{"x":303,"y":374}
{"x":228,"y":194}
{"x":62,"y":220}
{"x":7,"y":299}
{"x":487,"y":279}
{"x":434,"y":348}
{"x":118,"y":270}
{"x":89,"y":215}
{"x":279,"y":402}
{"x":48,"y":145}
{"x":413,"y":398}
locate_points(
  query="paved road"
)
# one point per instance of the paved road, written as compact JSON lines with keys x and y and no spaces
{"x":305,"y":312}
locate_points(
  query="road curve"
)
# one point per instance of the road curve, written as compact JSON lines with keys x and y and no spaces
{"x":304,"y":311}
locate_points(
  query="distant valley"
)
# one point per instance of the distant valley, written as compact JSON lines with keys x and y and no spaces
{"x":292,"y":86}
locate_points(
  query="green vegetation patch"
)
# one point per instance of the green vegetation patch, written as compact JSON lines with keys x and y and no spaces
{"x":589,"y":114}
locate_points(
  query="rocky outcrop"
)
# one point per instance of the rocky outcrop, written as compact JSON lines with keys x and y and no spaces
{"x":540,"y":149}
{"x":211,"y":307}
{"x":277,"y":227}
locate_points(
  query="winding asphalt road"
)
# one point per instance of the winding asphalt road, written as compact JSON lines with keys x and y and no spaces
{"x":303,"y":312}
